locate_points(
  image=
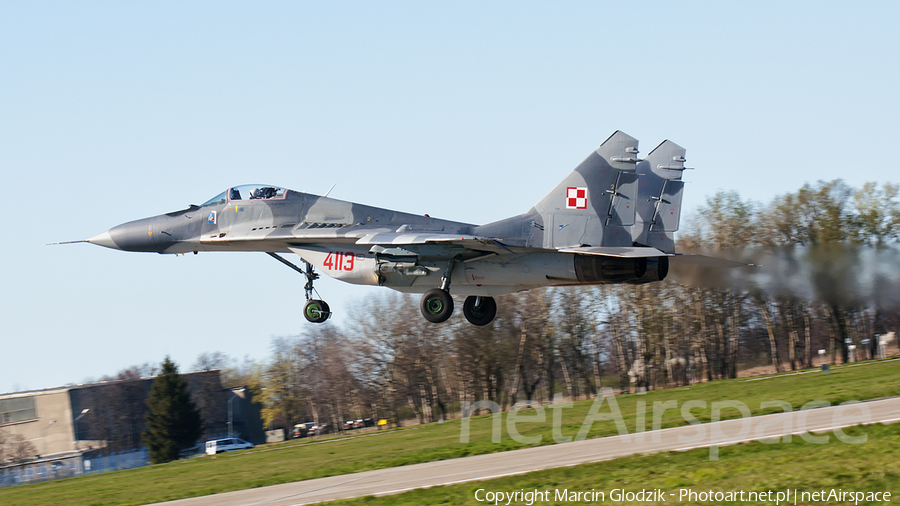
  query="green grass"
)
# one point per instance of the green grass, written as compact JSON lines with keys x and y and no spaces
{"x":868,"y":467}
{"x":291,"y":461}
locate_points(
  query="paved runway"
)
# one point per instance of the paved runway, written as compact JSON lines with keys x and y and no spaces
{"x":480,"y":467}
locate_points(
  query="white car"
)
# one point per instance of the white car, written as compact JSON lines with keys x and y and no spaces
{"x":228,"y":444}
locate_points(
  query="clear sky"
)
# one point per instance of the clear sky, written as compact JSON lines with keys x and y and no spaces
{"x":472,"y":111}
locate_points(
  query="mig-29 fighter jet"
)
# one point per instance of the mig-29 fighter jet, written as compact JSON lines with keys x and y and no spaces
{"x":611,"y":220}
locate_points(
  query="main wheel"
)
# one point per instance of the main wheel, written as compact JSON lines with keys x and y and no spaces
{"x":316,"y":311}
{"x":437,"y":305}
{"x":480,"y":314}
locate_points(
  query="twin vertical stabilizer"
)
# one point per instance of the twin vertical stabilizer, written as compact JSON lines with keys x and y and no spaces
{"x":615,"y":199}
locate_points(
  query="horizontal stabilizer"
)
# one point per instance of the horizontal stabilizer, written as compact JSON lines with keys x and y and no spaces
{"x":619,"y":252}
{"x":705,"y":261}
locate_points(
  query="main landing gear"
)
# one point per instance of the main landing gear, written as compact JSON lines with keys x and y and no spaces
{"x":315,"y":310}
{"x":479,"y":310}
{"x":437,"y":304}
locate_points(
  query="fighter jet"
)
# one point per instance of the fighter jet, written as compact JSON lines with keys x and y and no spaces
{"x":611,"y":220}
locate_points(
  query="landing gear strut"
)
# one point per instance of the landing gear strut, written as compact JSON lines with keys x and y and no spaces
{"x":315,"y":310}
{"x":437,"y":304}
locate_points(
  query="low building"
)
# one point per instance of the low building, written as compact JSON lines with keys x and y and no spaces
{"x":68,"y":430}
{"x":42,"y":419}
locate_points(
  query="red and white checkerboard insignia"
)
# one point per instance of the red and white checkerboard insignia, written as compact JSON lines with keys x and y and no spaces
{"x":576,"y":198}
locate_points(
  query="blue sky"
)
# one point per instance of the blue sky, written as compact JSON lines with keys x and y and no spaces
{"x":113,"y":111}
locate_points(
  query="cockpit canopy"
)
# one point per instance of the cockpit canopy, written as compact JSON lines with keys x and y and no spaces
{"x":248,"y":192}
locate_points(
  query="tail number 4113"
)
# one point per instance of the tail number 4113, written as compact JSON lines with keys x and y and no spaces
{"x":340,"y":261}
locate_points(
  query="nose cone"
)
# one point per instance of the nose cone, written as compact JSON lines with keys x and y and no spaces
{"x":104,"y":239}
{"x":131,"y":236}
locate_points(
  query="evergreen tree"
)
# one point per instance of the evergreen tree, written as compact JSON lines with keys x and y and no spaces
{"x":173,"y":422}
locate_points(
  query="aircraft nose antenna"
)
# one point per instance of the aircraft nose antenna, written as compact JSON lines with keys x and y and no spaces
{"x":103,"y":239}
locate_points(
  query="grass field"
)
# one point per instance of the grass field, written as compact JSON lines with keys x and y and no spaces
{"x":293,"y":461}
{"x":873,"y":466}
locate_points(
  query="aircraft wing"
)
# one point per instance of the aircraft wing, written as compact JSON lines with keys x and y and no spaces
{"x":472,"y":242}
{"x":410,"y":238}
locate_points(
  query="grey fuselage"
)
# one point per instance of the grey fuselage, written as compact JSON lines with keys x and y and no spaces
{"x":326,"y":233}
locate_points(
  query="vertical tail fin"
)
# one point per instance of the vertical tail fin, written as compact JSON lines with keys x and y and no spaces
{"x":595,"y":204}
{"x":659,"y":196}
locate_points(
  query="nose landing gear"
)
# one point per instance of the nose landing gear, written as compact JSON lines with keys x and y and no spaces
{"x":315,"y":310}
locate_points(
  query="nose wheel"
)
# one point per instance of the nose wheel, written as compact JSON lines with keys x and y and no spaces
{"x":315,"y":310}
